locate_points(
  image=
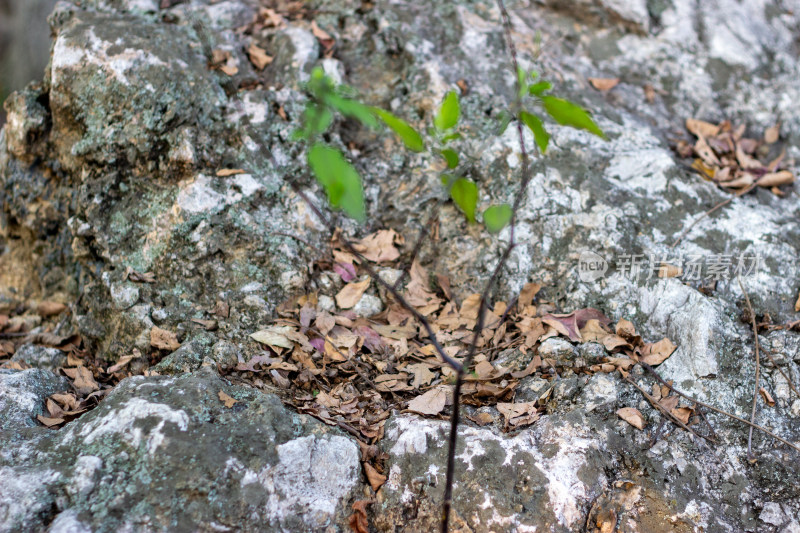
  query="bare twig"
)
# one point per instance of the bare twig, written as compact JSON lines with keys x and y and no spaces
{"x":750,"y":456}
{"x":712,"y":210}
{"x":715,"y":409}
{"x":479,"y":325}
{"x":672,"y":418}
{"x":423,"y":234}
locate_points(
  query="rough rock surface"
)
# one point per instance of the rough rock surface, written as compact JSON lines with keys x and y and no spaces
{"x":110,"y":163}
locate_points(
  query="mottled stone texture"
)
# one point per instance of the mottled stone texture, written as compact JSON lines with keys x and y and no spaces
{"x":110,"y":163}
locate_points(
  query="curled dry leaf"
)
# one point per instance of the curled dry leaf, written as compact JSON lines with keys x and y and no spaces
{"x":375,"y":478}
{"x":774,"y":179}
{"x":358,"y":520}
{"x":46,"y":309}
{"x":351,"y":293}
{"x":701,"y":128}
{"x":604,"y":84}
{"x":656,"y":353}
{"x":632,"y":416}
{"x":259,"y":57}
{"x":225,"y":172}
{"x":767,"y":396}
{"x":163,"y":339}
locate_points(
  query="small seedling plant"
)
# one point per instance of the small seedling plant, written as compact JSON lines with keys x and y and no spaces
{"x":328,"y":103}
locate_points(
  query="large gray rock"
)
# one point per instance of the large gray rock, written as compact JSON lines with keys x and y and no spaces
{"x":165,"y":453}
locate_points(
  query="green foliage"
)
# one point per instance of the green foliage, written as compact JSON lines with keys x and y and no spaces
{"x":448,"y":114}
{"x":465,"y":194}
{"x":496,"y":217}
{"x":340,"y":180}
{"x":568,"y":114}
{"x":451,"y":157}
{"x":537,"y":89}
{"x":540,"y":134}
{"x":410,"y":137}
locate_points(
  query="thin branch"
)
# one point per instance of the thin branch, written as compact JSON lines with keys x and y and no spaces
{"x":750,"y":456}
{"x":479,"y":325}
{"x":715,"y":409}
{"x":713,"y":209}
{"x":423,"y":234}
{"x":672,"y":418}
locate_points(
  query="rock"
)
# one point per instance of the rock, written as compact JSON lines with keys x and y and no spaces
{"x":368,"y":305}
{"x":22,"y":396}
{"x":189,"y":356}
{"x":165,"y":451}
{"x":557,"y":348}
{"x":40,"y":356}
{"x":110,"y":164}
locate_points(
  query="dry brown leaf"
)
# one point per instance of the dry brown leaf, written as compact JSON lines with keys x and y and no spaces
{"x":669,"y":271}
{"x":221,"y":309}
{"x":122,"y":363}
{"x":632,"y":416}
{"x":767,"y":396}
{"x":746,"y":161}
{"x":163,"y":339}
{"x":422,"y":374}
{"x":682,"y":413}
{"x":418,"y":293}
{"x":48,"y":421}
{"x":375,"y":479}
{"x":649,"y":93}
{"x":527,"y":294}
{"x":82,"y":379}
{"x":604,"y":84}
{"x":745,"y":179}
{"x":351,"y":293}
{"x":704,"y":151}
{"x":229,"y":401}
{"x":230,"y":70}
{"x":797,"y":304}
{"x":379,"y":247}
{"x":656,"y":353}
{"x":518,"y":414}
{"x":275,"y":337}
{"x":225,"y":172}
{"x":430,"y":403}
{"x":358,"y":520}
{"x":259,"y":57}
{"x":46,"y":309}
{"x":775,"y":179}
{"x":482,"y":418}
{"x":701,"y":128}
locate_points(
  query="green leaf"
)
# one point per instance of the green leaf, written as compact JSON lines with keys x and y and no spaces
{"x":316,"y":119}
{"x":352,"y":108}
{"x":339,"y":178}
{"x":465,"y":194}
{"x":568,"y":114}
{"x":448,"y":113}
{"x":410,"y":137}
{"x":451,"y":137}
{"x":496,"y":217}
{"x":505,"y":119}
{"x":538,"y":88}
{"x":540,"y":134}
{"x":522,"y":81}
{"x":451,"y":157}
